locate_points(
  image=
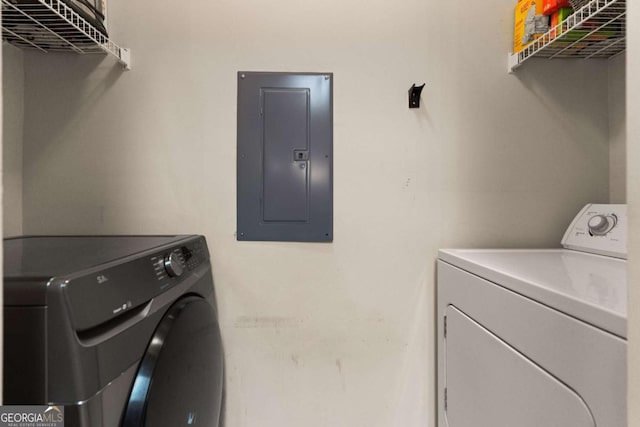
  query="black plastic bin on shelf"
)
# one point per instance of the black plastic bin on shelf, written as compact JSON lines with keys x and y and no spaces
{"x":34,"y":23}
{"x":89,"y":11}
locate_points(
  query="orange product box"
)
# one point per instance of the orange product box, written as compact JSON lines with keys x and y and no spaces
{"x":558,"y":17}
{"x":549,"y":7}
{"x":528,"y":23}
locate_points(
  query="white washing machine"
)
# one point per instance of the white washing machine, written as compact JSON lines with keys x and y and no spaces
{"x":536,"y":338}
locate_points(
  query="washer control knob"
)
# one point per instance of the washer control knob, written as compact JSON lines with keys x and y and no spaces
{"x":172,"y":265}
{"x":599,"y":225}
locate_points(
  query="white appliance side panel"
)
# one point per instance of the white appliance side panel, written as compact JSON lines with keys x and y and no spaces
{"x":587,"y":359}
{"x":490,"y":384}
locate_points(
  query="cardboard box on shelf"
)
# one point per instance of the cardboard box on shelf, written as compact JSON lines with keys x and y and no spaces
{"x":549,"y":7}
{"x":529,"y":23}
{"x":558,"y":17}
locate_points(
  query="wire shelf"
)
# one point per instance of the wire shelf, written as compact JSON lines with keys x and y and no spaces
{"x":597,"y":30}
{"x":51,"y":25}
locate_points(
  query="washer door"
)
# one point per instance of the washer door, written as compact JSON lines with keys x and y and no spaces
{"x":180,"y":378}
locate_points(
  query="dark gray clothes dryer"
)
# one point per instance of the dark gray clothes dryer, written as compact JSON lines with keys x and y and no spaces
{"x":121,"y":330}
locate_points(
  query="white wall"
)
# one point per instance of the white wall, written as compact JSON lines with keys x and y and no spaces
{"x":12,"y":128}
{"x":633,"y":196}
{"x":617,"y":130}
{"x":334,"y":334}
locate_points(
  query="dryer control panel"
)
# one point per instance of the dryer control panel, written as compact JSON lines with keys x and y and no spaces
{"x":599,"y":229}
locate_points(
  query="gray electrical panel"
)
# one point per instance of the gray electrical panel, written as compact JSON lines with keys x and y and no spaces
{"x":285,"y":157}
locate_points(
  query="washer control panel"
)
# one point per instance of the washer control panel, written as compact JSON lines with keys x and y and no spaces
{"x":173,"y":263}
{"x":599,"y":229}
{"x":97,"y":295}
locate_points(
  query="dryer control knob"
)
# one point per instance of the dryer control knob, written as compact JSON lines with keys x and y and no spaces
{"x":599,"y":225}
{"x":172,"y":265}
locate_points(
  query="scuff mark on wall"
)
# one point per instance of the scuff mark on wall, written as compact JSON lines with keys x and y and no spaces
{"x":340,"y":373}
{"x":296,"y":359}
{"x":267,"y":322}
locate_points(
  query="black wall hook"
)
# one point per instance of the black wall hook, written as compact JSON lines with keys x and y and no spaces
{"x":414,"y":96}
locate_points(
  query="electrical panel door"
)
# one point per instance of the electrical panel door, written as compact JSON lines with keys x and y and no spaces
{"x":285,"y":152}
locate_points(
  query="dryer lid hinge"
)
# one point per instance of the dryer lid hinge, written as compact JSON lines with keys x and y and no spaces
{"x":445,"y":399}
{"x":445,"y":326}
